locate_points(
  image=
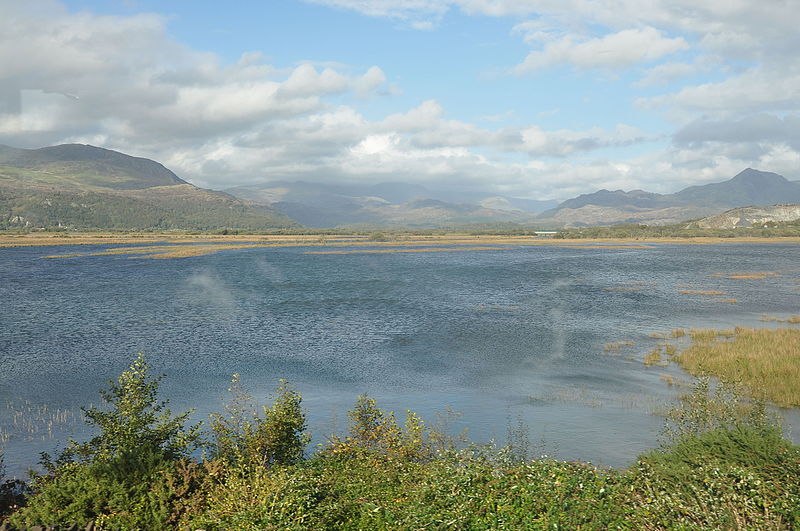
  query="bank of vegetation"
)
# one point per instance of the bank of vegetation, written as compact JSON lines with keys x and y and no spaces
{"x":724,"y":465}
{"x":681,"y":230}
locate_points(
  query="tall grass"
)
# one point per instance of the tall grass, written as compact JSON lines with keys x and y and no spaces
{"x":764,"y":360}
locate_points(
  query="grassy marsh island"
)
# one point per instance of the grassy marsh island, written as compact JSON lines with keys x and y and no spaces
{"x":767,"y":361}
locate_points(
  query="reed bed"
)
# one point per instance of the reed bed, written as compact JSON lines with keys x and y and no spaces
{"x":764,"y":360}
{"x":35,"y":421}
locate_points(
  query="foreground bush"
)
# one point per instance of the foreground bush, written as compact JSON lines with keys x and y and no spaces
{"x":117,"y":477}
{"x":724,"y":465}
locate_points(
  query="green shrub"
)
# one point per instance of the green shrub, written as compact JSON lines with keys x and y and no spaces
{"x":137,"y":422}
{"x":374,"y":430}
{"x":243,"y":437}
{"x":112,"y":478}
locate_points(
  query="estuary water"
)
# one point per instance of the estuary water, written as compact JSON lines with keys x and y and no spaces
{"x":512,"y":339}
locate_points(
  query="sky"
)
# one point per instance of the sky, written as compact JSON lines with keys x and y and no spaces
{"x":540,"y":99}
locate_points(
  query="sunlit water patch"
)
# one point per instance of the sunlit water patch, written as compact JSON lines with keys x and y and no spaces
{"x":507,"y":336}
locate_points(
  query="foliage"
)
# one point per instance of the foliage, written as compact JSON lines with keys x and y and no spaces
{"x":705,"y":409}
{"x":377,"y":237}
{"x":241,"y":436}
{"x":110,"y":477}
{"x":137,"y":423}
{"x":91,"y":210}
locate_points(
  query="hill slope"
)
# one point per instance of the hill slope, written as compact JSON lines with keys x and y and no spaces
{"x":85,"y":187}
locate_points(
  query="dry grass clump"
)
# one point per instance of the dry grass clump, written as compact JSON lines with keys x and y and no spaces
{"x":756,"y":275}
{"x":701,"y":292}
{"x":668,"y":379}
{"x":616,"y":346}
{"x":678,"y":332}
{"x":764,"y":360}
{"x":656,"y":335}
{"x":654,"y":358}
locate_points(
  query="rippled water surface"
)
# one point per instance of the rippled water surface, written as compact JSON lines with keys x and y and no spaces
{"x":508,"y":337}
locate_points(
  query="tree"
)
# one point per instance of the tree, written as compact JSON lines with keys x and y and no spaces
{"x":137,"y":423}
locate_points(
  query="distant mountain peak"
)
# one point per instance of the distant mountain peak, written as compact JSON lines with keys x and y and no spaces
{"x":751,"y":175}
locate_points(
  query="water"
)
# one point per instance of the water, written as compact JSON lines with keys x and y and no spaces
{"x":504,"y":337}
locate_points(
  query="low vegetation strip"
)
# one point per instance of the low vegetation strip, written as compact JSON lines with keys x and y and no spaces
{"x":765,"y":360}
{"x":417,"y":250}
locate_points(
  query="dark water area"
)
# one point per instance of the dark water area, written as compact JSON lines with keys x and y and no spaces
{"x":508,"y":338}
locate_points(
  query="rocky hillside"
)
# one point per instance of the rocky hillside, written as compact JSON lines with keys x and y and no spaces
{"x":749,"y":216}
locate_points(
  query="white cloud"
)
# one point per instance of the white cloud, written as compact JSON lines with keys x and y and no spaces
{"x":617,"y":50}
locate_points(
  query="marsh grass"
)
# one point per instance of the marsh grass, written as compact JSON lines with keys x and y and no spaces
{"x":678,"y":332}
{"x":755,"y":275}
{"x":654,"y":357}
{"x":709,"y":292}
{"x":764,"y":360}
{"x":616,"y":346}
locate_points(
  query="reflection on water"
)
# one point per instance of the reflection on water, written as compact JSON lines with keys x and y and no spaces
{"x":501,"y":336}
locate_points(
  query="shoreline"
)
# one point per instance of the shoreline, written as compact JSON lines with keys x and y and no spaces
{"x":323,"y":239}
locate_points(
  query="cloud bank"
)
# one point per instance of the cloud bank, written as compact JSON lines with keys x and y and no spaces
{"x":723,"y":76}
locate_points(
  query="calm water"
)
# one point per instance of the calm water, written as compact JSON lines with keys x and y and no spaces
{"x":504,"y":337}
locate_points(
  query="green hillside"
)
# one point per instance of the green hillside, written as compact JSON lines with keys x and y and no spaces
{"x":85,"y":187}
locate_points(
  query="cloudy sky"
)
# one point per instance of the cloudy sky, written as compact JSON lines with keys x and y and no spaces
{"x":541,"y":99}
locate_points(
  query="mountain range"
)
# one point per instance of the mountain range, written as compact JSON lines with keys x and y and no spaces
{"x":84,"y":187}
{"x":604,"y":207}
{"x":390,"y":203}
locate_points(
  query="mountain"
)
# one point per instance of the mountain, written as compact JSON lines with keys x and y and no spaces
{"x":389,"y":203}
{"x":749,"y":187}
{"x":77,"y":166}
{"x":86,"y":187}
{"x":747,"y":216}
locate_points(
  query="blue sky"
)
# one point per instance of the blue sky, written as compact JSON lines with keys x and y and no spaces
{"x":530,"y":98}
